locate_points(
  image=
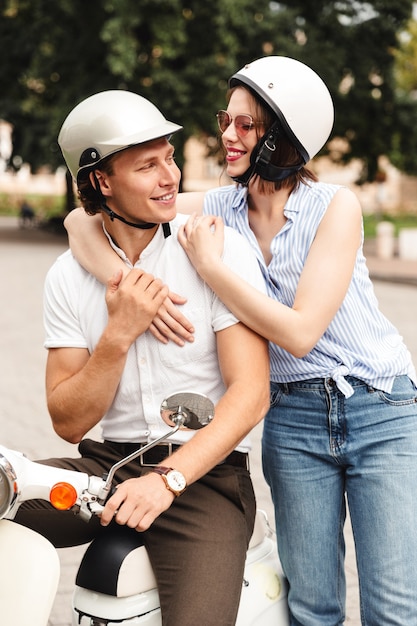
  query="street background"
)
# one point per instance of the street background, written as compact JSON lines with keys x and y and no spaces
{"x":25,"y":256}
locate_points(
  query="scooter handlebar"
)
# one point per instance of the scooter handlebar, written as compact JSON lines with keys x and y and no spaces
{"x":22,"y":479}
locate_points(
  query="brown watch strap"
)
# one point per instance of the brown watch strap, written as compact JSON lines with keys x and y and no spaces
{"x":160,"y":469}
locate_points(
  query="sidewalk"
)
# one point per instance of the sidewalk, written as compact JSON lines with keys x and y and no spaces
{"x":25,"y":256}
{"x":390,"y":270}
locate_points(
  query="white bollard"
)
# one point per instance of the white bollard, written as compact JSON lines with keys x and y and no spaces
{"x":407,"y":244}
{"x":385,"y":240}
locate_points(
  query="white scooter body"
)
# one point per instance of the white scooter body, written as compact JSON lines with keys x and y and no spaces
{"x":30,"y":567}
{"x":115,"y":583}
{"x":127,"y":594}
{"x":29,"y":576}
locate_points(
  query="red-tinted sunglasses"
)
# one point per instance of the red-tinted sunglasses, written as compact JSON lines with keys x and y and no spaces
{"x":243,"y":123}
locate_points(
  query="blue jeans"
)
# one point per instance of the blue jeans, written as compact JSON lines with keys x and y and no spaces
{"x":320,"y":448}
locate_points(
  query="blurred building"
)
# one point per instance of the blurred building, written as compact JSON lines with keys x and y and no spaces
{"x":394,"y":193}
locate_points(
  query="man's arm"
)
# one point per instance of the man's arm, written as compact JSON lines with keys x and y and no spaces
{"x":244,"y":364}
{"x":80,"y":387}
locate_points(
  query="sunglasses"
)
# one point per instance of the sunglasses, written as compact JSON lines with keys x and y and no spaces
{"x":243,"y":123}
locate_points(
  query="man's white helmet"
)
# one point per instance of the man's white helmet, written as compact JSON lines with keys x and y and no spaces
{"x":297,"y":96}
{"x":106,"y":123}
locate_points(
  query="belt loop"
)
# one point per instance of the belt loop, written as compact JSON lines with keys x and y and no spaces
{"x":168,"y":445}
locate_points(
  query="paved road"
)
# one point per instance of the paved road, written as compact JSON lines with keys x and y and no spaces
{"x":25,"y":257}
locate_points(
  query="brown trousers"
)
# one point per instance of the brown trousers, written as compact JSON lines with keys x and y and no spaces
{"x":197,"y":547}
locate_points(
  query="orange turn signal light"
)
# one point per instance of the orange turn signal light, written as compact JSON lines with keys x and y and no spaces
{"x":63,"y":496}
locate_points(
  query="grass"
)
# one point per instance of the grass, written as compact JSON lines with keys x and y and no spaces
{"x":44,"y":206}
{"x":400,"y":220}
{"x":50,"y":206}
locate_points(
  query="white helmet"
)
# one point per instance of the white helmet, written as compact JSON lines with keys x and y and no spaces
{"x":296,"y":95}
{"x":106,"y":123}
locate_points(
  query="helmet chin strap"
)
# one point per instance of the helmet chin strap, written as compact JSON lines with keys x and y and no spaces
{"x":142,"y":225}
{"x":260,"y":160}
{"x":112,"y":215}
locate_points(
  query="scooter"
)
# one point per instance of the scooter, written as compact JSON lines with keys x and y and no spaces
{"x":115,"y":583}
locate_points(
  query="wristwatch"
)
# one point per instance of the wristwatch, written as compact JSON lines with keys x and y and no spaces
{"x":173,"y":479}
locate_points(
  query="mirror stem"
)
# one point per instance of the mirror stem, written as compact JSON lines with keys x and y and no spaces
{"x":133,"y":456}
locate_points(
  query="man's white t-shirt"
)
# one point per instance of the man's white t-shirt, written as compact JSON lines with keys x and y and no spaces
{"x":76,"y":315}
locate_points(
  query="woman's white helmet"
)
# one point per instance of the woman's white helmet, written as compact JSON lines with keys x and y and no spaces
{"x":106,"y":123}
{"x":297,"y":96}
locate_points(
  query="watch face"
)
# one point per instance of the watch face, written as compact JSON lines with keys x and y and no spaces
{"x":176,"y":480}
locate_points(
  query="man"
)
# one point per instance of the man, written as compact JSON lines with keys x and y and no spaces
{"x":104,"y":365}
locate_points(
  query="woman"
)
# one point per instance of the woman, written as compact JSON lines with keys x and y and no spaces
{"x":342,"y":426}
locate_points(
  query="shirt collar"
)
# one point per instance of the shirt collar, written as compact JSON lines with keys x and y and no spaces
{"x":152,"y":245}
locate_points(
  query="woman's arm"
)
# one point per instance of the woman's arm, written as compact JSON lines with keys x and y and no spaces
{"x":91,"y":248}
{"x":322,"y":286}
{"x":191,"y":202}
{"x":89,"y":243}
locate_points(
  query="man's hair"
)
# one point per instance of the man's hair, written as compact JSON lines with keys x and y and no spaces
{"x":91,"y":197}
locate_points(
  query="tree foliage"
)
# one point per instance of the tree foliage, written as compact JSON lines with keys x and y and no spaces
{"x":180,"y":53}
{"x":404,"y":141}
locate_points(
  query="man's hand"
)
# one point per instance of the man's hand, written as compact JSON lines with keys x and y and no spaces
{"x":137,"y":502}
{"x":133,"y":302}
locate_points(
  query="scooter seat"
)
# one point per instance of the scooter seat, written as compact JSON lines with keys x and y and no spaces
{"x":260,"y":529}
{"x":116,"y":563}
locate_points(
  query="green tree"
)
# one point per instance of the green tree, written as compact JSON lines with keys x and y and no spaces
{"x":180,"y":53}
{"x":406,"y":61}
{"x":403,"y":154}
{"x":177,"y":53}
{"x":53,"y":62}
{"x":352,"y":44}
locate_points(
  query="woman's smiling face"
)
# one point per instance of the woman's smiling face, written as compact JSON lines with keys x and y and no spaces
{"x":238,"y":149}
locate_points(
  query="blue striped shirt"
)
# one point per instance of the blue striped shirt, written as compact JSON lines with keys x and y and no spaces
{"x":360,"y":341}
